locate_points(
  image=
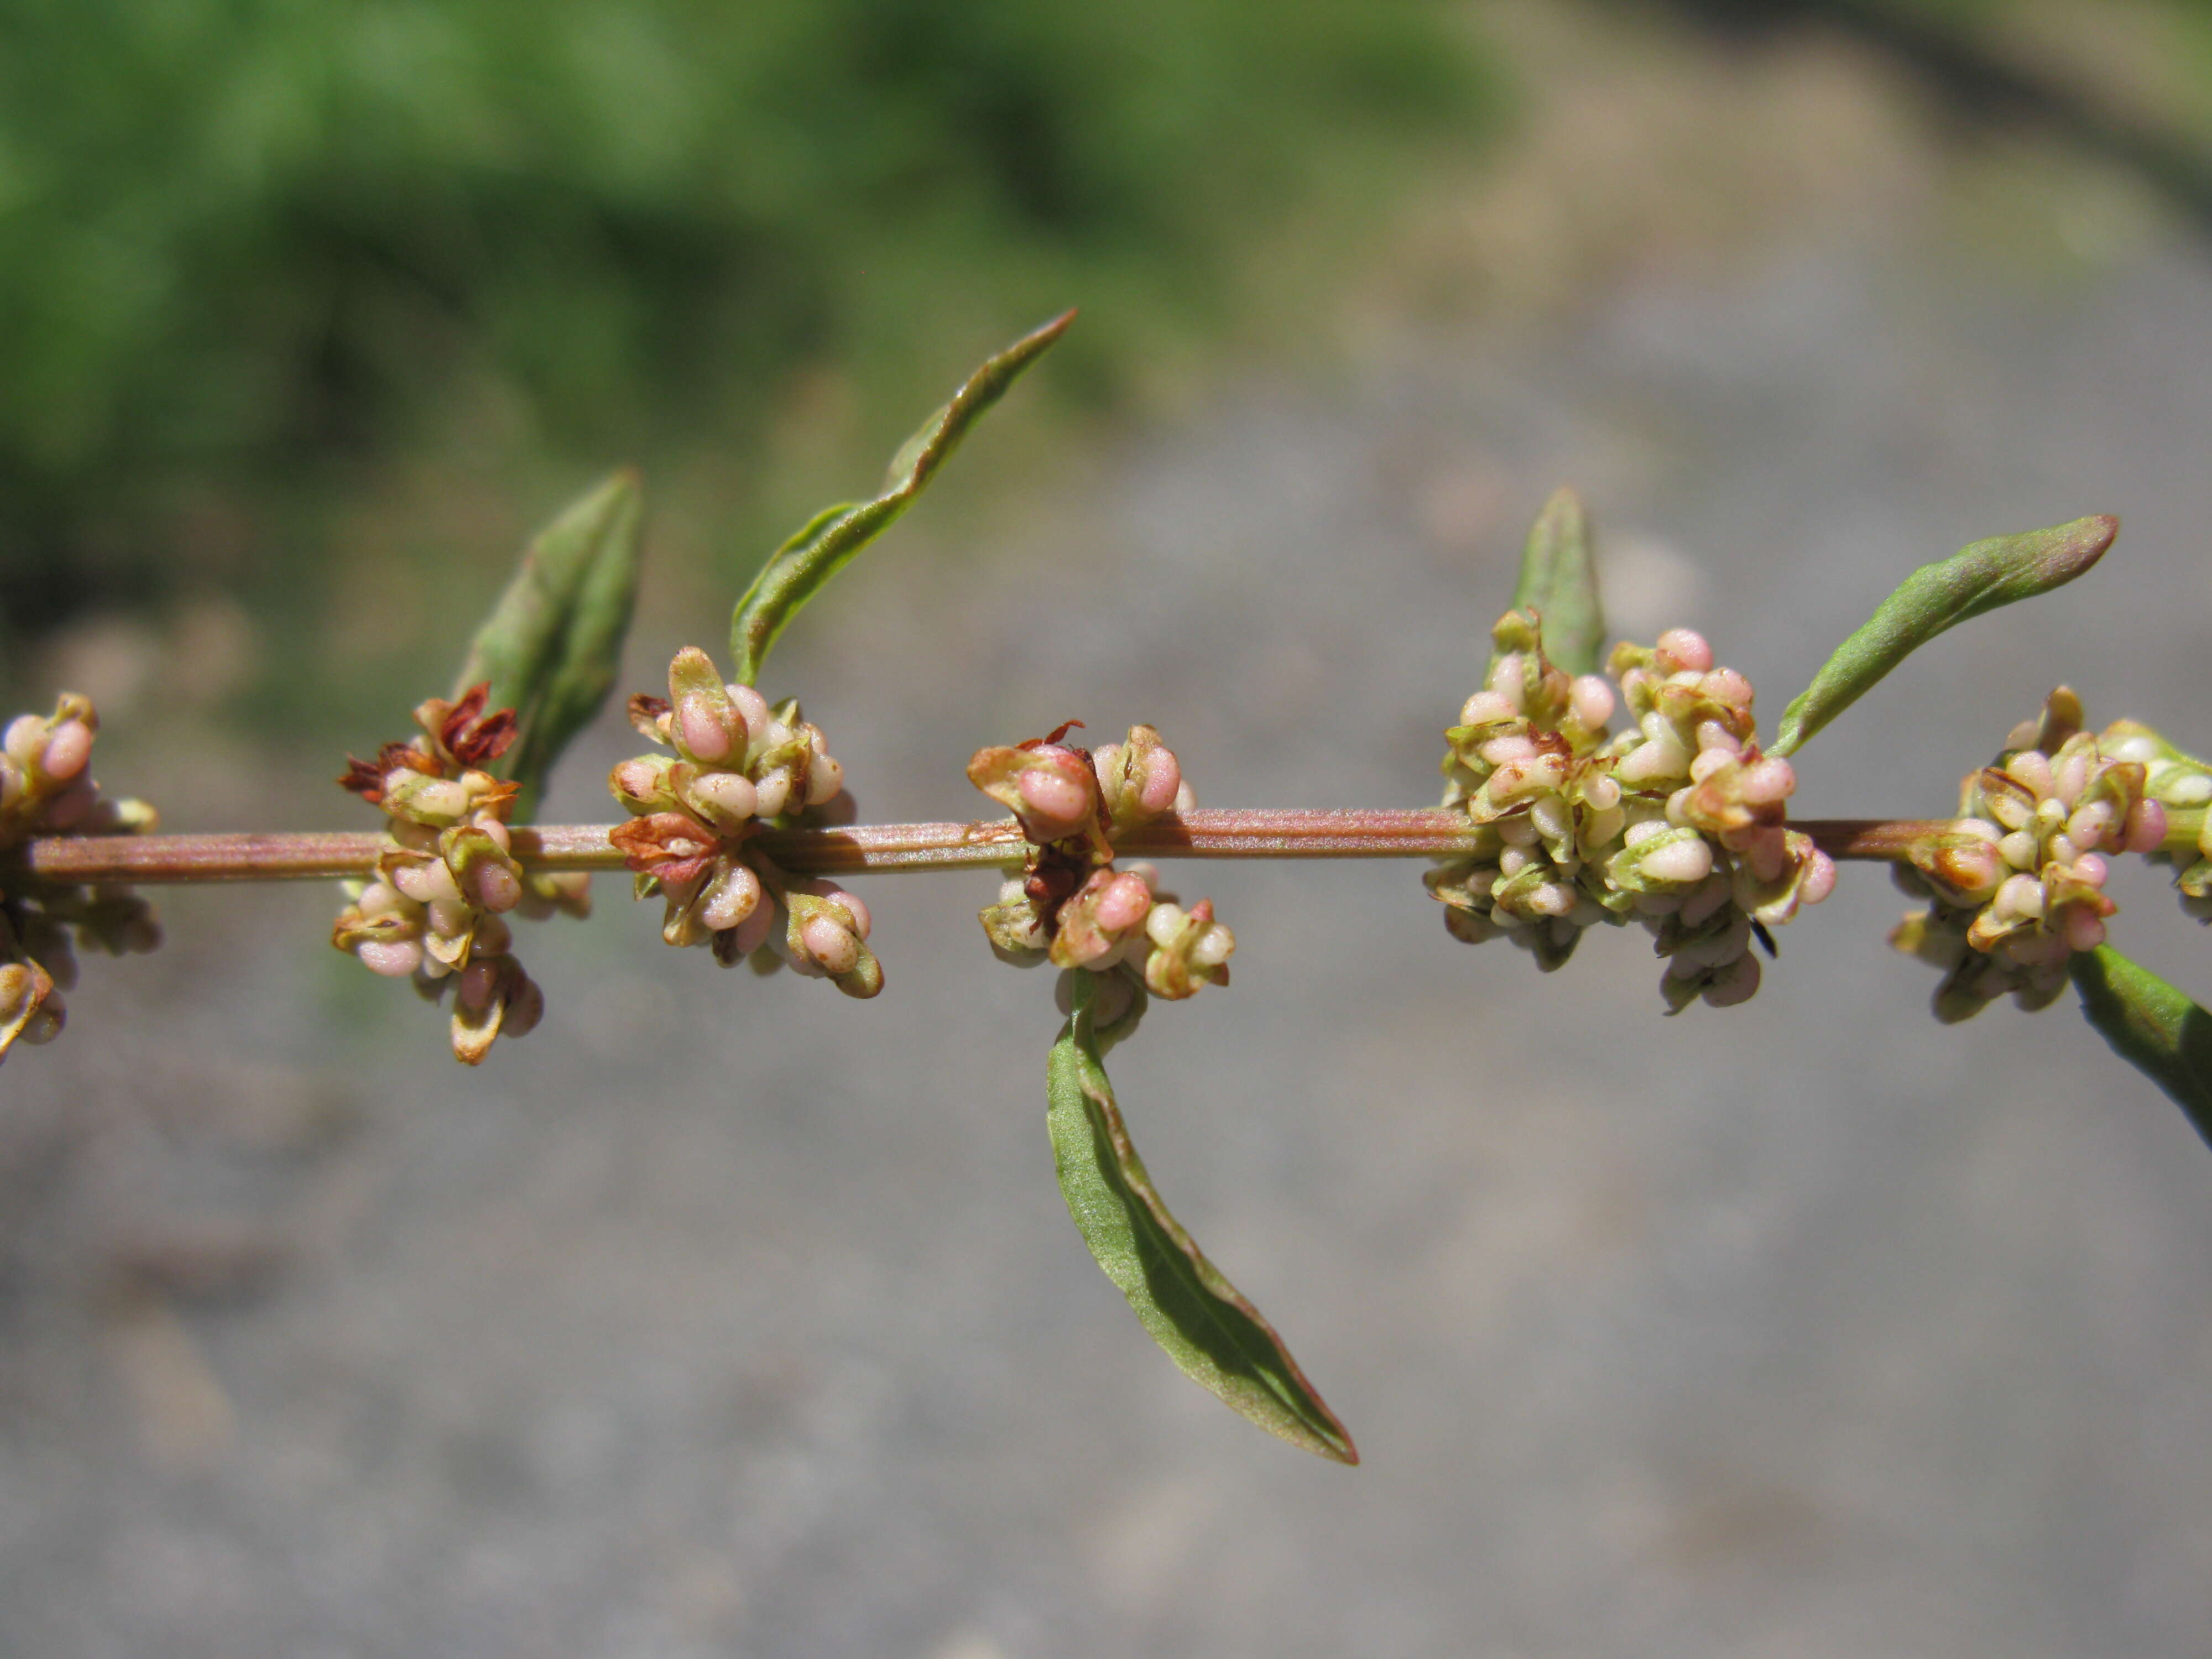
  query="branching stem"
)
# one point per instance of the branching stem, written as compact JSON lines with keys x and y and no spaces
{"x":864,"y":849}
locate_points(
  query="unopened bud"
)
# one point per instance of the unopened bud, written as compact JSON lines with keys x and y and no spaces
{"x":68,"y":748}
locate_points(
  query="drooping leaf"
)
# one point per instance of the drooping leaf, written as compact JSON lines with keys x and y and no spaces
{"x":2153,"y":1026}
{"x":1558,"y":581}
{"x":552,"y":645}
{"x":825,"y":543}
{"x":1999,"y":571}
{"x":1197,"y":1317}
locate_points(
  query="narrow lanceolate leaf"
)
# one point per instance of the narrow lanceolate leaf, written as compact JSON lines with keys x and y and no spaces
{"x":552,"y":645}
{"x":2151,"y":1025}
{"x":823,"y":546}
{"x":1559,"y":580}
{"x":1205,"y":1325}
{"x":1999,"y":571}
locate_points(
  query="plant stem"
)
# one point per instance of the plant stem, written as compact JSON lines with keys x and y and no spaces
{"x":1259,"y":833}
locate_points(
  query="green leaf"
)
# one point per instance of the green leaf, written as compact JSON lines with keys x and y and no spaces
{"x":552,"y":645}
{"x":1197,"y":1317}
{"x":2151,"y":1025}
{"x":1999,"y":571}
{"x":823,"y":546}
{"x":1558,"y":581}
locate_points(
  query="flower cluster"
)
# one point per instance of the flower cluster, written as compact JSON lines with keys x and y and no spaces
{"x":1677,"y":821}
{"x":447,"y":879}
{"x":2174,"y":782}
{"x":46,"y":788}
{"x":2016,"y":881}
{"x":1071,"y":906}
{"x":739,"y":763}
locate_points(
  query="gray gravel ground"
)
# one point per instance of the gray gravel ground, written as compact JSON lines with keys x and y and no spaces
{"x":732,"y":1317}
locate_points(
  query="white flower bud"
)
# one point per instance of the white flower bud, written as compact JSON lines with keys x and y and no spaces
{"x":394,"y":960}
{"x":1505,"y":680}
{"x":1683,"y":860}
{"x":1679,"y":648}
{"x":725,"y":798}
{"x":751,"y":709}
{"x":25,"y":738}
{"x":823,"y":780}
{"x":1493,"y":708}
{"x":730,"y":898}
{"x":772,"y":793}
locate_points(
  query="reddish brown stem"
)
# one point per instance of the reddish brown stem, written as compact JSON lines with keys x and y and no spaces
{"x":1255,"y":833}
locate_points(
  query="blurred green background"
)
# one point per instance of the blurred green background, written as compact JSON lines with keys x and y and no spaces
{"x":260,"y":257}
{"x":305,"y":302}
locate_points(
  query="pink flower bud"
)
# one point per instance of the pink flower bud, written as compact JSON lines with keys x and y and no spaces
{"x":2070,"y":776}
{"x":2020,"y":895}
{"x":73,"y":806}
{"x":1162,"y":782}
{"x":1973,"y":868}
{"x":2088,"y":825}
{"x":497,"y":887}
{"x":636,"y":783}
{"x":1727,"y":685}
{"x":1767,"y":853}
{"x":701,"y":734}
{"x":754,"y":930}
{"x":1507,"y":680}
{"x":2031,"y":767}
{"x":1768,"y":780}
{"x":750,"y":707}
{"x":1590,"y":700}
{"x":829,"y":946}
{"x":479,"y":984}
{"x":2083,"y":929}
{"x":2146,"y":828}
{"x":1679,"y":648}
{"x":1125,"y":902}
{"x":525,"y":1006}
{"x":67,"y":749}
{"x":1819,"y":879}
{"x":1713,"y":735}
